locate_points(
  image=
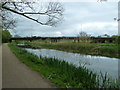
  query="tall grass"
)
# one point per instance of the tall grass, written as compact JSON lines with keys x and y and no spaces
{"x":75,"y":77}
{"x":62,"y":73}
{"x":80,"y":76}
{"x":106,"y":49}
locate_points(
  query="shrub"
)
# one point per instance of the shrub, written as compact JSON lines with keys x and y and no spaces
{"x":6,"y":36}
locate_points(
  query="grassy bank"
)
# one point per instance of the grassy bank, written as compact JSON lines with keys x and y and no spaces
{"x":105,"y":49}
{"x":61,"y":73}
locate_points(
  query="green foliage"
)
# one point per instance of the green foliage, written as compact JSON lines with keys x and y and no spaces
{"x":103,"y":49}
{"x":6,"y":36}
{"x":63,"y":74}
{"x":72,"y":76}
{"x":117,"y":40}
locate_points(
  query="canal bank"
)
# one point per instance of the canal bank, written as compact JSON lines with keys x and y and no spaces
{"x":98,"y":49}
{"x":60,"y":72}
{"x":96,"y":64}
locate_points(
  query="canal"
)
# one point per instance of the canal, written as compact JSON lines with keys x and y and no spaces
{"x":96,"y":64}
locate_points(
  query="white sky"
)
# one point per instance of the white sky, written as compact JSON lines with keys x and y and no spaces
{"x":95,"y":18}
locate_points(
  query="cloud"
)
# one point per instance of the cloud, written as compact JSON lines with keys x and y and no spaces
{"x":98,"y":28}
{"x":96,"y":19}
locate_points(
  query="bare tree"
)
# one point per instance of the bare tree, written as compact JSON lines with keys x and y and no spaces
{"x":48,"y":14}
{"x":83,"y":34}
{"x":83,"y":37}
{"x":7,"y":20}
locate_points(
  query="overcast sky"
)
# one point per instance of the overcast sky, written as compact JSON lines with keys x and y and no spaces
{"x":95,"y":18}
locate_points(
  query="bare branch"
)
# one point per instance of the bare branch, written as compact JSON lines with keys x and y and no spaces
{"x":53,"y":11}
{"x":22,"y":15}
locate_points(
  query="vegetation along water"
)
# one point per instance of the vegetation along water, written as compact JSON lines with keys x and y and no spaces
{"x":63,"y":74}
{"x":99,"y":49}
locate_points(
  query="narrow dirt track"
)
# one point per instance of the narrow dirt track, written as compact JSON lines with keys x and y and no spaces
{"x":17,"y":75}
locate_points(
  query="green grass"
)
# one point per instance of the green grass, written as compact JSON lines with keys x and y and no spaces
{"x":106,"y":49}
{"x":61,"y":73}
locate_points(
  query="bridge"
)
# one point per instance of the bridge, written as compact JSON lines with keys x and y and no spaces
{"x":75,"y":39}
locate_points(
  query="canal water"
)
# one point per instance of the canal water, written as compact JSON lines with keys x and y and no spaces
{"x":96,"y":64}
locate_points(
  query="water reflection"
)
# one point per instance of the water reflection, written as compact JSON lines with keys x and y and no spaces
{"x":94,"y":63}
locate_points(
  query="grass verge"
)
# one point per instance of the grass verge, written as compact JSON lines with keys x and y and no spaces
{"x":61,"y":73}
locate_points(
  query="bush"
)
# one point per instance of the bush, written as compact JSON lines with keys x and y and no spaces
{"x":6,"y":36}
{"x":118,"y":39}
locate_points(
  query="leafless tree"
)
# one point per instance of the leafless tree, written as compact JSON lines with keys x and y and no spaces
{"x":7,"y":20}
{"x":83,"y":34}
{"x":48,"y":13}
{"x":83,"y":37}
